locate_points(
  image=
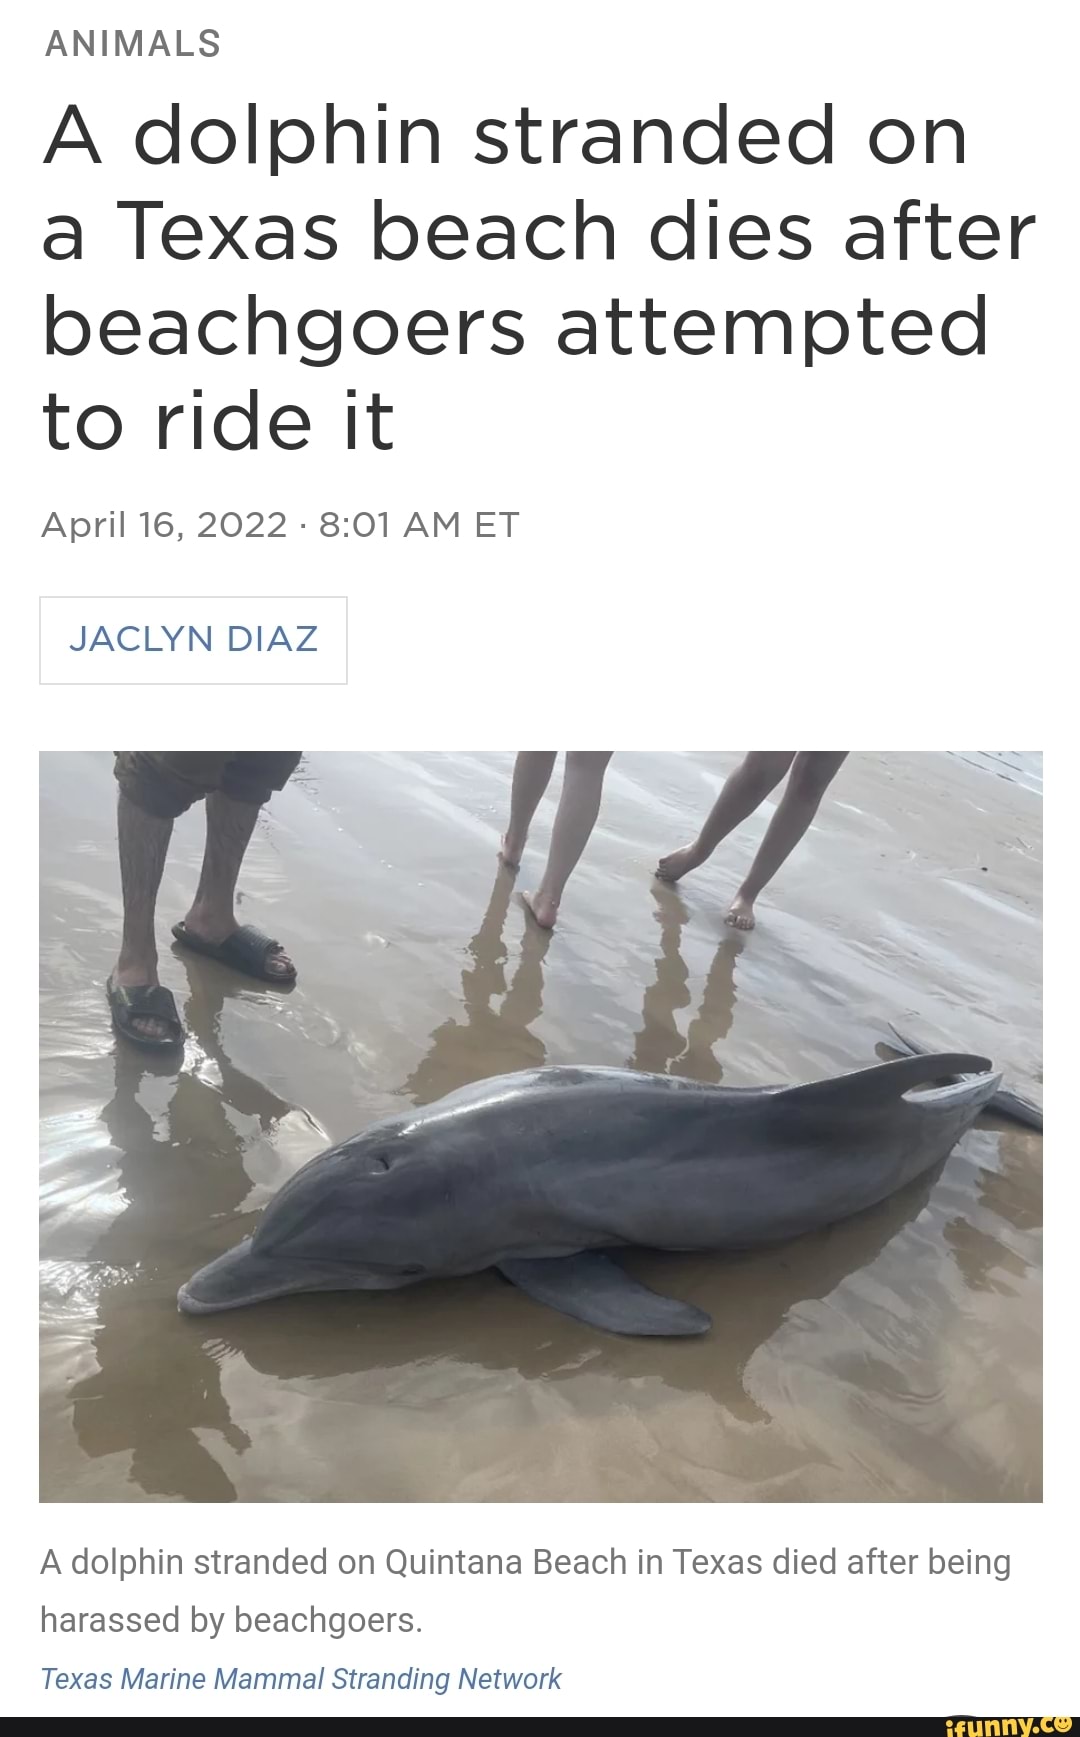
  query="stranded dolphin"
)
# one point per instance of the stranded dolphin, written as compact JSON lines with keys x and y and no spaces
{"x":536,"y":1173}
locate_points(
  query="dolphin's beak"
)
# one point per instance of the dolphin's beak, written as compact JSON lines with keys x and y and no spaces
{"x":245,"y":1276}
{"x":233,"y":1281}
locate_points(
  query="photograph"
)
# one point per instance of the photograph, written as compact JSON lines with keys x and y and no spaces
{"x":523,"y":1126}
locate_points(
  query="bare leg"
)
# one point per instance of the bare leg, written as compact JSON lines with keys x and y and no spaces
{"x":144,"y":843}
{"x":229,"y":826}
{"x":811,"y":776}
{"x":532,"y":775}
{"x":578,"y":808}
{"x":745,"y":790}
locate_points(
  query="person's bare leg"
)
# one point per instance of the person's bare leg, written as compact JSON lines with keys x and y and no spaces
{"x":229,"y":826}
{"x":811,"y":776}
{"x":745,"y":790}
{"x":575,"y":818}
{"x":144,"y":843}
{"x":532,"y":775}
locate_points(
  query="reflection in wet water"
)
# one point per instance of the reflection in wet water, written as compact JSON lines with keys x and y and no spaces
{"x":895,"y":1356}
{"x":178,"y":1144}
{"x":660,"y":1047}
{"x":488,"y":1040}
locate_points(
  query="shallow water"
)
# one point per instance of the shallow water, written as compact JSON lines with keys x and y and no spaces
{"x":893,"y":1357}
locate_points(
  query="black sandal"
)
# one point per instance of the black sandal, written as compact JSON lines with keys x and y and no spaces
{"x":145,"y":1001}
{"x":247,"y":949}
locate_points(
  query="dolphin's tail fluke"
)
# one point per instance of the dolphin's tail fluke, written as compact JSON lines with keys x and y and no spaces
{"x":876,"y":1088}
{"x":1005,"y":1102}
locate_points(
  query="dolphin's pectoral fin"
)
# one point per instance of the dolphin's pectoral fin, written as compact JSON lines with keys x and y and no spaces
{"x":591,"y":1288}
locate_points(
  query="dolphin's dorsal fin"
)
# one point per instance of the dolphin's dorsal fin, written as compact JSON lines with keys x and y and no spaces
{"x":591,"y":1288}
{"x":884,"y":1084}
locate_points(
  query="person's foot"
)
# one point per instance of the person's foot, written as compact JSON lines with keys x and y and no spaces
{"x":142,"y":975}
{"x":679,"y":863}
{"x":741,"y":914}
{"x":542,"y":909}
{"x":510,"y":849}
{"x":213,"y":928}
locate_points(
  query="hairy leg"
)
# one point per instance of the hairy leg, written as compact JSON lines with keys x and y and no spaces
{"x":229,"y":826}
{"x":144,"y":843}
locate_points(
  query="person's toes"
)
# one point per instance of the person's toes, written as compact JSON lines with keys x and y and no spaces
{"x":676,"y":864}
{"x":153,"y":1029}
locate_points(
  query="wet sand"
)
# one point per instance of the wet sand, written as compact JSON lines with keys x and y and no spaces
{"x":895,"y":1357}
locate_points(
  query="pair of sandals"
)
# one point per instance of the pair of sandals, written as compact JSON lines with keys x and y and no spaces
{"x":247,"y":949}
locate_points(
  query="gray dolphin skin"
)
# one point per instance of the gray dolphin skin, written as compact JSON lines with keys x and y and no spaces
{"x":536,"y":1174}
{"x":1007,"y":1103}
